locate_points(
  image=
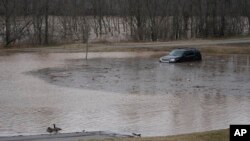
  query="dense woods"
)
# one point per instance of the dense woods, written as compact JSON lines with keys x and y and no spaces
{"x":43,"y":22}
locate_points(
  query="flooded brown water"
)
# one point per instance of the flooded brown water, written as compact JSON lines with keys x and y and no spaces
{"x":122,"y":92}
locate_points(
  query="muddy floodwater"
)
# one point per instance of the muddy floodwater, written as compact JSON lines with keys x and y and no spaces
{"x":122,"y":92}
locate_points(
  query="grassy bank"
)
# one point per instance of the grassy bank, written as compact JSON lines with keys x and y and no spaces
{"x":218,"y":135}
{"x":228,"y":46}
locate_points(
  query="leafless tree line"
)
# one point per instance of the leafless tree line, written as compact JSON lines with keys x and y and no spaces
{"x":44,"y":22}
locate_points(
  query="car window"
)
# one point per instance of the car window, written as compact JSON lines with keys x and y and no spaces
{"x":176,"y":53}
{"x":189,"y":53}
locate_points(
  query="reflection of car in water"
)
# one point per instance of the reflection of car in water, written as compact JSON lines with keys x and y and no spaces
{"x":182,"y":55}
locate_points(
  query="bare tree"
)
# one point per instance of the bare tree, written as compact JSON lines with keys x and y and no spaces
{"x":246,"y":12}
{"x":8,"y":7}
{"x":46,"y":17}
{"x":85,"y":29}
{"x":36,"y":21}
{"x":14,"y":29}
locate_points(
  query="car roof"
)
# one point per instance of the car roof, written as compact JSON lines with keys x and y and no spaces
{"x":186,"y":49}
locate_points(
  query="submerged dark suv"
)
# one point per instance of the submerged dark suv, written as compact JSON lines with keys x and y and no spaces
{"x":182,"y":55}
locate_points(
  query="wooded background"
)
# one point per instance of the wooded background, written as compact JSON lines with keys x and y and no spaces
{"x":44,"y":22}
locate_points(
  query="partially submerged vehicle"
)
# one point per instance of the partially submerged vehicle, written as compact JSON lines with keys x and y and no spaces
{"x":182,"y":55}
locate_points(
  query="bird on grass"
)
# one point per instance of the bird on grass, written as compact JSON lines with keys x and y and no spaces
{"x":50,"y":130}
{"x":137,"y":135}
{"x":55,"y":129}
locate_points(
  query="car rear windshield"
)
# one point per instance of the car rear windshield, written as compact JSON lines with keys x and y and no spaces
{"x":176,"y":53}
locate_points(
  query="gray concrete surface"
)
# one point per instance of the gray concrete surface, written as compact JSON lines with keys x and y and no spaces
{"x":65,"y":136}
